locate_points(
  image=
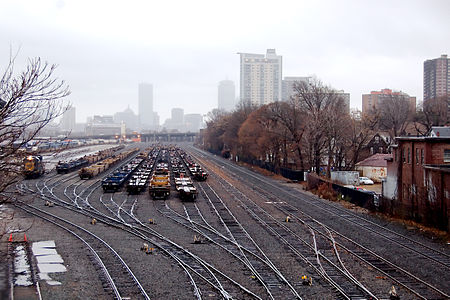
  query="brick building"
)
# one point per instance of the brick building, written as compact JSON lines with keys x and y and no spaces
{"x":375,"y":100}
{"x":418,"y":179}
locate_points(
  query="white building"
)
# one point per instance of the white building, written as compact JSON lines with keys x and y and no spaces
{"x":261,"y":77}
{"x":68,"y":120}
{"x":288,"y":86}
{"x":226,"y":95}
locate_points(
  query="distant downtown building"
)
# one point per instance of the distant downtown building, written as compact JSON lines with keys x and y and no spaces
{"x":260,"y":77}
{"x":226,"y":95}
{"x":146,"y":115}
{"x":375,"y":98}
{"x":128,"y":117}
{"x":288,"y":86}
{"x":192,"y":122}
{"x":436,"y":78}
{"x":68,"y":120}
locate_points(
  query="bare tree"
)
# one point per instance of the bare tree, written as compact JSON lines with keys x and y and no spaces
{"x":321,"y":107}
{"x":394,"y":114}
{"x":262,"y":137}
{"x":29,"y":101}
{"x":290,"y":116}
{"x":434,"y":112}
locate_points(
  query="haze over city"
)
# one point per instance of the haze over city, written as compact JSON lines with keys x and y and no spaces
{"x":105,"y":49}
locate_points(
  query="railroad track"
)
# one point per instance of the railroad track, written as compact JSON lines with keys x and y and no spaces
{"x":418,"y":287}
{"x":317,"y":254}
{"x":276,"y":285}
{"x":121,"y":281}
{"x":191,"y":264}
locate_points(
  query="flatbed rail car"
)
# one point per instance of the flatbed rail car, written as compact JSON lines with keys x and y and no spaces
{"x":195,"y":169}
{"x":101,"y":166}
{"x":160,"y":186}
{"x":117,"y":179}
{"x":160,"y":182}
{"x":140,"y":178}
{"x":185,"y":188}
{"x":33,"y":166}
{"x":64,"y":167}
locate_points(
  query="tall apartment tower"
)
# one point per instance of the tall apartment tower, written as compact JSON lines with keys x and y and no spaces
{"x":226,"y":95}
{"x":288,"y":86}
{"x":261,"y":77}
{"x":146,"y":106}
{"x":436,"y":78}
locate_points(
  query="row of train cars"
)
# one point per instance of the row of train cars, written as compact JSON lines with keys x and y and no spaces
{"x":158,"y":168}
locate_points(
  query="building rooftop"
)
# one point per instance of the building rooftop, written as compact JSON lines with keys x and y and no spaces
{"x":376,"y":160}
{"x":442,"y":131}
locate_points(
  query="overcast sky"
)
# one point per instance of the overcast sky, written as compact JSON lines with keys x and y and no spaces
{"x":104,"y":49}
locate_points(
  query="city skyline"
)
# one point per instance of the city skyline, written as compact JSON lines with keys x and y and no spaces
{"x":355,"y":46}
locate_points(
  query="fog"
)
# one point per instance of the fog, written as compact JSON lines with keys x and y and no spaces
{"x":104,"y":49}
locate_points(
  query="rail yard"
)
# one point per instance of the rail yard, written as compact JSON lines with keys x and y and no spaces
{"x":175,"y":222}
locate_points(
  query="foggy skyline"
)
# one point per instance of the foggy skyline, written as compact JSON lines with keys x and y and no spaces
{"x":184,"y":49}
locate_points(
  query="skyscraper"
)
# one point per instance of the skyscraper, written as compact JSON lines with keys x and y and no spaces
{"x":226,"y":95}
{"x":288,"y":86}
{"x":68,"y":119}
{"x":436,"y":78}
{"x":146,"y":106}
{"x":261,"y":77}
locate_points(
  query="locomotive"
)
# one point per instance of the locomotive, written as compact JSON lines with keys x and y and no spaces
{"x":33,"y":166}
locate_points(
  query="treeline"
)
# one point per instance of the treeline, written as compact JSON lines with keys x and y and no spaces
{"x":312,"y":129}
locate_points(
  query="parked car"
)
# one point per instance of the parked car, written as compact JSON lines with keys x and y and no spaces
{"x":365,"y":180}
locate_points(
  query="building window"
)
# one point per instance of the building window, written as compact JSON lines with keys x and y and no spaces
{"x":409,"y":155}
{"x":404,"y":155}
{"x":380,"y":150}
{"x":446,"y":155}
{"x":377,"y":139}
{"x":421,"y":156}
{"x":417,"y":156}
{"x":371,"y":150}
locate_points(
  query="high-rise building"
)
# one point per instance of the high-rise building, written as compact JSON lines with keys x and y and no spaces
{"x":288,"y":86}
{"x":261,"y":77}
{"x":68,"y":120}
{"x":373,"y":100}
{"x":128,"y":117}
{"x":176,"y":122}
{"x":226,"y":95}
{"x":436,"y":78}
{"x":146,"y":106}
{"x":192,"y":122}
{"x":346,"y":99}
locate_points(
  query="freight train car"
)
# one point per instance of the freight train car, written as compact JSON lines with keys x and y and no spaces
{"x":99,"y":167}
{"x":185,"y":188}
{"x":33,"y":166}
{"x":64,"y":167}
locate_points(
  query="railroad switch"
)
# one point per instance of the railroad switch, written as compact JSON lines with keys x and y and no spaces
{"x":197,"y":239}
{"x":306,"y":280}
{"x":94,"y":221}
{"x":144,"y":247}
{"x":393,"y":294}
